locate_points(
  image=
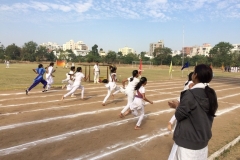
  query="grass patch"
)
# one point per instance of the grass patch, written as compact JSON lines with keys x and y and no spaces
{"x":21,"y":76}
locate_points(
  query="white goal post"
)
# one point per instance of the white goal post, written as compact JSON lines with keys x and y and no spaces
{"x":136,"y":63}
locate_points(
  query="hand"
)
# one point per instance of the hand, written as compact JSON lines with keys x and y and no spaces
{"x":173,"y":104}
{"x":151,"y":102}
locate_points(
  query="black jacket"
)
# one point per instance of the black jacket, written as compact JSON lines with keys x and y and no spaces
{"x":193,"y":130}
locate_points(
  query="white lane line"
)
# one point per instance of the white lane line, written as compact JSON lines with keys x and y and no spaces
{"x":18,"y":148}
{"x":86,"y":89}
{"x":70,"y":116}
{"x":131,"y":144}
{"x":155,"y":90}
{"x":96,"y":87}
{"x":52,"y":139}
{"x":224,"y":148}
{"x":99,"y":87}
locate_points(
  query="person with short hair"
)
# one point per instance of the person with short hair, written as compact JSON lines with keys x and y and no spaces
{"x":39,"y":79}
{"x":195,"y":114}
{"x":96,"y":72}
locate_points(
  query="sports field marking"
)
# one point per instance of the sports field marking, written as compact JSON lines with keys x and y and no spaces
{"x":19,"y":148}
{"x":71,"y":116}
{"x":131,"y":144}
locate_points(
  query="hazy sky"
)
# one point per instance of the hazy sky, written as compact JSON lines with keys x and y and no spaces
{"x":113,"y":24}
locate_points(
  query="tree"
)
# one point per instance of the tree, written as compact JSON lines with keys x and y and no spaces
{"x":221,"y":53}
{"x":2,"y":52}
{"x":111,"y":57}
{"x":41,"y":53}
{"x":177,"y":60}
{"x":28,"y":51}
{"x":129,"y":58}
{"x":13,"y":52}
{"x":161,"y":54}
{"x":95,"y":50}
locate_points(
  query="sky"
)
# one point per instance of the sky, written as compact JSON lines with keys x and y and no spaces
{"x":114,"y":24}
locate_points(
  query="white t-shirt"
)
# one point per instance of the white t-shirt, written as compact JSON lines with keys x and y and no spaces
{"x":96,"y":68}
{"x":69,"y":74}
{"x":187,"y":86}
{"x":50,"y":69}
{"x":131,"y":85}
{"x":141,"y":90}
{"x":112,"y":77}
{"x":78,"y":78}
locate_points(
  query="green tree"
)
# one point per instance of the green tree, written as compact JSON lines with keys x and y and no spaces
{"x":221,"y":53}
{"x":28,"y":51}
{"x":41,"y":53}
{"x":129,"y":58}
{"x":161,"y":53}
{"x":13,"y":52}
{"x":177,"y":60}
{"x":111,"y":57}
{"x":50,"y":56}
{"x":2,"y":52}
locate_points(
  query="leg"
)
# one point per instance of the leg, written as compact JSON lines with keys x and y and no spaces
{"x":70,"y":92}
{"x":36,"y":82}
{"x":44,"y":83}
{"x":82,"y":92}
{"x":97,"y":77}
{"x":107,"y":96}
{"x":140,"y":119}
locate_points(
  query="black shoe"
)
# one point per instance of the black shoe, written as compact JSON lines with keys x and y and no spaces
{"x":26,"y":92}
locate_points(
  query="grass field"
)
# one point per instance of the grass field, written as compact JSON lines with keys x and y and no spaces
{"x":20,"y":76}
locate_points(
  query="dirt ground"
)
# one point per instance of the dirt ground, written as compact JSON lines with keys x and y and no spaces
{"x":40,"y":126}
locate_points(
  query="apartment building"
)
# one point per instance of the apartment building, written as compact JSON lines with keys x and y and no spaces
{"x":78,"y":48}
{"x":153,"y":46}
{"x":236,"y":47}
{"x":126,"y":50}
{"x":51,"y":46}
{"x":201,"y":50}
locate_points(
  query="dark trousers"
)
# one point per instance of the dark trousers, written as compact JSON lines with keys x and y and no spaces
{"x":36,"y":82}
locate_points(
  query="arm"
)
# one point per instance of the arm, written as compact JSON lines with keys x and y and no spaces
{"x":123,"y":82}
{"x":34,"y":70}
{"x":145,"y":98}
{"x":185,"y":107}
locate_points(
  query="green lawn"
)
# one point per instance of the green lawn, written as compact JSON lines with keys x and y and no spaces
{"x":20,"y":76}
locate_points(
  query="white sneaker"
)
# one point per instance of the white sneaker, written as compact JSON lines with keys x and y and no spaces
{"x":73,"y":95}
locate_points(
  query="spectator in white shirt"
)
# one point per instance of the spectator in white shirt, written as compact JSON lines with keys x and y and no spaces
{"x":96,"y":72}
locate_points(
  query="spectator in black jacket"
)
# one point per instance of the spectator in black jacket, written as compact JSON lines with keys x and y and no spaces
{"x":195,"y":114}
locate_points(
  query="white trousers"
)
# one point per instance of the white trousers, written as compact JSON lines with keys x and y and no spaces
{"x":74,"y":88}
{"x":49,"y":80}
{"x":140,"y":113}
{"x":110,"y":86}
{"x":96,"y":77}
{"x":180,"y":153}
{"x":130,"y":97}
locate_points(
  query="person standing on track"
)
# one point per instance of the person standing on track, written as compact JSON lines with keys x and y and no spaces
{"x":137,"y":106}
{"x":195,"y":114}
{"x":96,"y":72}
{"x":39,"y":79}
{"x":129,"y":91}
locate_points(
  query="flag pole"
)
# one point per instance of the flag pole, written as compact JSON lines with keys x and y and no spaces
{"x":183,"y":51}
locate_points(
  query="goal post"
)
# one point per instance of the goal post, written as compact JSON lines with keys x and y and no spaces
{"x":136,"y":63}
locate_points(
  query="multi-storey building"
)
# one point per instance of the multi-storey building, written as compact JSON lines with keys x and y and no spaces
{"x":126,"y":50}
{"x":51,"y":46}
{"x":236,"y":47}
{"x":78,"y":48}
{"x":201,"y":50}
{"x":153,"y":46}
